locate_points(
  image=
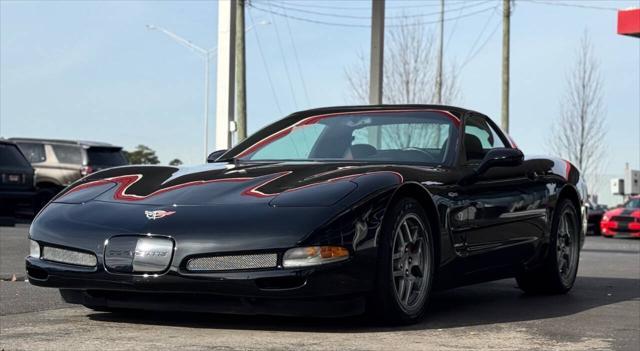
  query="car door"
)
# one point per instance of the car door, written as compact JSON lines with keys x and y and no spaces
{"x":502,"y":214}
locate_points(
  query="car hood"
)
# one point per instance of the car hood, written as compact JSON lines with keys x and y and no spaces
{"x":278,"y":184}
{"x":623,"y":212}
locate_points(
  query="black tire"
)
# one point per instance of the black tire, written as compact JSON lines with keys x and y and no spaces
{"x":554,"y":277}
{"x":385,"y":304}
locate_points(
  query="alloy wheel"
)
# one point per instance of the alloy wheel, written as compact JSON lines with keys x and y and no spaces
{"x":567,"y":246}
{"x":410,"y":262}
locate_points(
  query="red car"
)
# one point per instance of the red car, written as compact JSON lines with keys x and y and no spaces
{"x":623,"y":221}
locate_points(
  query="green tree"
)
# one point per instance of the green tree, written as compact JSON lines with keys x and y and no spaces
{"x":175,"y":162}
{"x":142,"y":155}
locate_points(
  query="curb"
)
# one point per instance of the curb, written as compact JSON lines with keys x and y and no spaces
{"x":13,"y":277}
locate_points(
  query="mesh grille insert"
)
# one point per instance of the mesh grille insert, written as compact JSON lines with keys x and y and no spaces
{"x":235,"y":262}
{"x":68,"y":256}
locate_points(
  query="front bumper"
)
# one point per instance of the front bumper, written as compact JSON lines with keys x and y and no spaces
{"x":620,"y":234}
{"x":193,"y":302}
{"x":338,"y":288}
{"x":620,"y":229}
{"x":200,"y":231}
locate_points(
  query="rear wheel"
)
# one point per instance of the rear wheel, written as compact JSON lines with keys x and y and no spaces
{"x":558,"y":273}
{"x":405,"y":266}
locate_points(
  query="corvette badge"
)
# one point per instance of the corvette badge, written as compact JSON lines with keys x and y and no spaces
{"x":153,"y":215}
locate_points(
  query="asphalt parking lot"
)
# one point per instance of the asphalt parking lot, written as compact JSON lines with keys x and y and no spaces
{"x":602,"y":312}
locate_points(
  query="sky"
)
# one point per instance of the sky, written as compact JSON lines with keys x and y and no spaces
{"x":91,"y":70}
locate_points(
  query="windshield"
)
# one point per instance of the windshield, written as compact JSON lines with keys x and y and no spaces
{"x":412,"y":136}
{"x":633,"y":203}
{"x":102,"y":156}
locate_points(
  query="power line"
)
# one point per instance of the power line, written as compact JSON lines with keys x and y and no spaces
{"x":284,"y":62}
{"x":557,"y":3}
{"x":472,"y":48}
{"x":338,"y":24}
{"x":368,"y":17}
{"x":470,"y":58}
{"x":308,"y":20}
{"x":295,"y":55}
{"x":264,"y":63}
{"x":453,"y":30}
{"x":308,"y":4}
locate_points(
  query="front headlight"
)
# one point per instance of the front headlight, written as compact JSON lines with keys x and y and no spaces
{"x":34,"y":249}
{"x":313,"y":255}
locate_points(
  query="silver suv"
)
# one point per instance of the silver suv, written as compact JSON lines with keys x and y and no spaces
{"x":59,"y":163}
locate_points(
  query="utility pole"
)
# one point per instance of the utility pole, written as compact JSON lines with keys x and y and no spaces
{"x":440,"y":54}
{"x":225,"y":73}
{"x":506,"y":18}
{"x":376,"y":64}
{"x":241,"y":80}
{"x":377,"y":52}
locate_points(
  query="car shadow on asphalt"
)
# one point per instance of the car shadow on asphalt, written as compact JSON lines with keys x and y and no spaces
{"x":488,"y":303}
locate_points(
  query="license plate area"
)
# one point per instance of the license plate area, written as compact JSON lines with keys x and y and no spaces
{"x":138,"y":254}
{"x":13,"y":178}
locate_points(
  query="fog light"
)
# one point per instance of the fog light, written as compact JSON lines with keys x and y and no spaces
{"x":313,"y":255}
{"x":34,"y":249}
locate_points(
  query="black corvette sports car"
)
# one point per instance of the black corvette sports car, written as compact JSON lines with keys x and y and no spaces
{"x":327,"y":212}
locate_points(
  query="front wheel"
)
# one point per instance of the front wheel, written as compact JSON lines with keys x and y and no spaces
{"x":405,"y":265}
{"x":559,"y":271}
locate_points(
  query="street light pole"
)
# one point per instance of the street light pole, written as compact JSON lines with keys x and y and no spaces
{"x":206,"y":54}
{"x":206,"y":107}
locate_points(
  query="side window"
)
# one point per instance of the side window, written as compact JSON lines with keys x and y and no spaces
{"x":68,"y":154}
{"x":33,"y":152}
{"x":479,"y":137}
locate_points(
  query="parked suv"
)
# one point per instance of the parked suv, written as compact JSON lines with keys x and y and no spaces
{"x":16,"y":181}
{"x":59,"y":163}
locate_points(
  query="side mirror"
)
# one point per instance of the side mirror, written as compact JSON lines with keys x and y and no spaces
{"x":500,"y":157}
{"x":215,"y":155}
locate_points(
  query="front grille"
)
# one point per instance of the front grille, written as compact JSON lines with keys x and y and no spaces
{"x":68,"y":256}
{"x":233,"y":262}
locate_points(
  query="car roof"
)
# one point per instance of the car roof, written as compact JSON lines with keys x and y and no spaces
{"x":6,"y":141}
{"x":459,"y":111}
{"x":63,"y":141}
{"x":300,"y":115}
